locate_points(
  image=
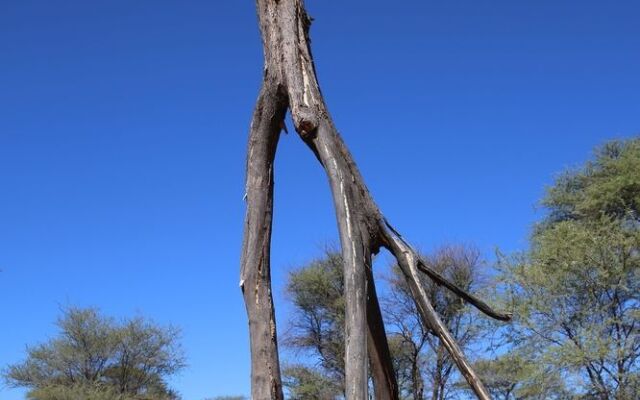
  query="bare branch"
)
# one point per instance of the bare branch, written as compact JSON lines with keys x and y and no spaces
{"x":442,"y":281}
{"x":468,"y":297}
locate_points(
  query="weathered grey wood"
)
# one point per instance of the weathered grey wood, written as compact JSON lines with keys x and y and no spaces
{"x":290,"y":81}
{"x":255,"y":274}
{"x":385,"y":385}
{"x":284,"y":25}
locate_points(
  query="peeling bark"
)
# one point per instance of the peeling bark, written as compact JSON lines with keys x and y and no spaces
{"x":290,"y":82}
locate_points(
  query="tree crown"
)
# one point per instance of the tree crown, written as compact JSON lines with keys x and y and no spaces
{"x":95,"y":357}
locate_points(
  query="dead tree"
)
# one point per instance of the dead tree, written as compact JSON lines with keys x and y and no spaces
{"x":290,"y":83}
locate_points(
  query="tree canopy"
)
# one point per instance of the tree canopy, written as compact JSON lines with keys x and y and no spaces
{"x":317,"y":293}
{"x":577,"y":289}
{"x":95,"y":357}
{"x":575,"y":293}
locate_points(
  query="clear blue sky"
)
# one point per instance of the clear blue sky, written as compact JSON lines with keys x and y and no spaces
{"x":123,"y":127}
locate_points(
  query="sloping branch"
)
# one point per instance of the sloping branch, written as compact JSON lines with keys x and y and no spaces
{"x":466,"y":296}
{"x":408,"y":260}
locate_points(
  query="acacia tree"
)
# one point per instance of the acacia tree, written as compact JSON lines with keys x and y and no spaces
{"x":317,"y":326}
{"x":95,"y":357}
{"x":290,"y":83}
{"x":577,"y":289}
{"x":309,"y":383}
{"x":519,"y":375}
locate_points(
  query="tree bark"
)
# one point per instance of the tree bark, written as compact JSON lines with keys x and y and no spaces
{"x":416,"y":377}
{"x":385,"y":385}
{"x":255,"y":273}
{"x":290,"y":81}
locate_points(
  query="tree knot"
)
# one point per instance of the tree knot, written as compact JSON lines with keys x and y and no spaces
{"x":306,"y":122}
{"x":307,"y":129}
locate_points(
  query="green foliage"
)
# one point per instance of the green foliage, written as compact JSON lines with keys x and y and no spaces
{"x":514,"y":376}
{"x":575,"y":295}
{"x":77,"y":392}
{"x":609,"y":185}
{"x":95,"y":357}
{"x":306,"y":383}
{"x":407,"y":357}
{"x":577,"y":290}
{"x":316,"y":291}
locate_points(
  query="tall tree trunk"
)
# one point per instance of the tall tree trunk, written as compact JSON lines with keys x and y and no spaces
{"x":255,"y":273}
{"x":290,"y":81}
{"x":416,"y":377}
{"x":385,"y":385}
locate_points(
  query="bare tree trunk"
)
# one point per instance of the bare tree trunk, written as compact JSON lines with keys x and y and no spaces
{"x":416,"y":378}
{"x":290,"y":81}
{"x":255,"y":275}
{"x":437,"y":383}
{"x":385,"y":385}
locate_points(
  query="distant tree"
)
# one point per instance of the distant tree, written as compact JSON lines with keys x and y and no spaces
{"x":407,"y":366}
{"x":227,"y":398}
{"x":308,"y":383}
{"x":317,"y":293}
{"x":420,"y":360}
{"x":78,"y":392}
{"x":514,"y":376}
{"x":429,"y":364}
{"x":577,"y":289}
{"x":96,"y":358}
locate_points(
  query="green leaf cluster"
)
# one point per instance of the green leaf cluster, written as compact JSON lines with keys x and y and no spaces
{"x":577,"y":290}
{"x":318,"y":327}
{"x":308,"y":383}
{"x":96,"y":358}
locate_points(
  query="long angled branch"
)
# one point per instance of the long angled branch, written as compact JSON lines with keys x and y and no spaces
{"x":408,"y":261}
{"x":439,"y":279}
{"x":466,"y":296}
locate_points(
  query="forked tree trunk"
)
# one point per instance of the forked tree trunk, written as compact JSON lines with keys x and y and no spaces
{"x":290,"y":83}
